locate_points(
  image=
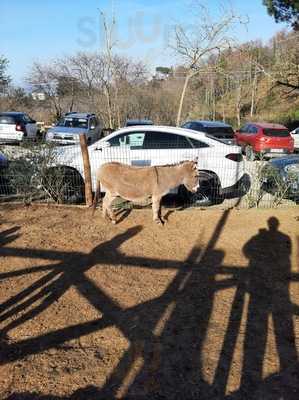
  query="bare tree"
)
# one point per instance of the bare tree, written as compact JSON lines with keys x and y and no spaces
{"x":284,"y":68}
{"x":44,"y":78}
{"x":109,"y":27}
{"x":88,"y":69}
{"x":207,"y":36}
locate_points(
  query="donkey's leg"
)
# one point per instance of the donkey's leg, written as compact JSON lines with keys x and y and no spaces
{"x":109,"y":210}
{"x":156,"y":207}
{"x":104,"y":205}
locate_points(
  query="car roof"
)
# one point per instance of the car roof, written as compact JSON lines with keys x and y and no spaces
{"x":167,"y":129}
{"x":12,"y":113}
{"x":78,"y":115}
{"x":139,"y":121}
{"x":215,"y":124}
{"x":267,"y":125}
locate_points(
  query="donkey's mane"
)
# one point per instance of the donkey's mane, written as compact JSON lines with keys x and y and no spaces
{"x":175,"y":164}
{"x":154,"y":166}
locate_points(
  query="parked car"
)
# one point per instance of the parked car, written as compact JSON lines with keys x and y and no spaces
{"x":215,"y":129}
{"x":68,"y":128}
{"x":282,"y":174}
{"x":134,"y":122}
{"x":221,"y":166}
{"x":264,"y":140}
{"x":295,"y":136}
{"x":15,"y":127}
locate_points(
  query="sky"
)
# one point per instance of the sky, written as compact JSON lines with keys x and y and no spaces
{"x":35,"y":30}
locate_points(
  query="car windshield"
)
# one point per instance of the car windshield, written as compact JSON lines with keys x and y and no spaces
{"x":73,"y":122}
{"x":222,"y":132}
{"x":276,"y":132}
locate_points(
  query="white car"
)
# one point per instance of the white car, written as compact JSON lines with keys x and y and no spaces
{"x":295,"y":136}
{"x":17,"y":126}
{"x":221,"y":166}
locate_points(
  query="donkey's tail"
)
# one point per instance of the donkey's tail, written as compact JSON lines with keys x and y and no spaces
{"x":96,"y":196}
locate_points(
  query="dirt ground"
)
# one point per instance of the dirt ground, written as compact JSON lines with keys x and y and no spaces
{"x":206,"y":307}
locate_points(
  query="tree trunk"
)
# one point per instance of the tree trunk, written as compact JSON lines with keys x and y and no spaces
{"x":223,"y":112}
{"x":107,"y":93}
{"x":238,"y":104}
{"x":117,"y":106}
{"x":187,"y":78}
{"x":253,"y":93}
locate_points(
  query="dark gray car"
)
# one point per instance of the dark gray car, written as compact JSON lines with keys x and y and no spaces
{"x":282,"y":174}
{"x":134,"y":122}
{"x":215,"y":129}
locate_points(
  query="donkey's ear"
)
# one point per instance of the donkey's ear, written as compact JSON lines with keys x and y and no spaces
{"x":195,"y":163}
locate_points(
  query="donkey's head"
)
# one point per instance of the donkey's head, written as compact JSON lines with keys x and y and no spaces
{"x":191,"y":175}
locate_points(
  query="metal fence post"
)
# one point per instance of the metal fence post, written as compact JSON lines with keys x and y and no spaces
{"x":87,"y":172}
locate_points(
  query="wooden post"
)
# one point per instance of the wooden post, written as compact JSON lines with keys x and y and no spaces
{"x":86,"y":166}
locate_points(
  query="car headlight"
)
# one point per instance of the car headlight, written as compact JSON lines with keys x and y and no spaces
{"x":293,"y":169}
{"x":49,"y":135}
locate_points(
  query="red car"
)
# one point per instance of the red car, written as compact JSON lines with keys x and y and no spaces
{"x":264,"y":140}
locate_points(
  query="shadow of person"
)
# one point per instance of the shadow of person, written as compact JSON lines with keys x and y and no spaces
{"x":268,"y":285}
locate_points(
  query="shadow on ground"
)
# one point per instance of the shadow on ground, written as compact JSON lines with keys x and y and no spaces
{"x":172,"y":357}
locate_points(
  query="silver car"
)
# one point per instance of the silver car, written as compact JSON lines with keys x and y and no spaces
{"x":67,"y":130}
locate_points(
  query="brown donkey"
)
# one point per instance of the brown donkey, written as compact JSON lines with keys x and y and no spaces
{"x":137,"y":184}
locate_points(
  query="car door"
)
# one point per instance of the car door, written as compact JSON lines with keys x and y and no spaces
{"x":251,"y":135}
{"x":126,"y":148}
{"x":31,"y":127}
{"x":168,"y":148}
{"x":241,"y":135}
{"x":98,"y":129}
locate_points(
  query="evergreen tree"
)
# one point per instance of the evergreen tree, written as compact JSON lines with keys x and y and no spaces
{"x":284,"y":11}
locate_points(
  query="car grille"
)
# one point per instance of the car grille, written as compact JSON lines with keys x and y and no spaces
{"x":60,"y":137}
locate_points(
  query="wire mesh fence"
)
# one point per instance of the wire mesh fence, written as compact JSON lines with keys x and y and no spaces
{"x":47,"y":172}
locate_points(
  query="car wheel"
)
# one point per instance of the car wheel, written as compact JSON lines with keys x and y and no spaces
{"x":207,"y":194}
{"x":249,"y":153}
{"x":64,"y":185}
